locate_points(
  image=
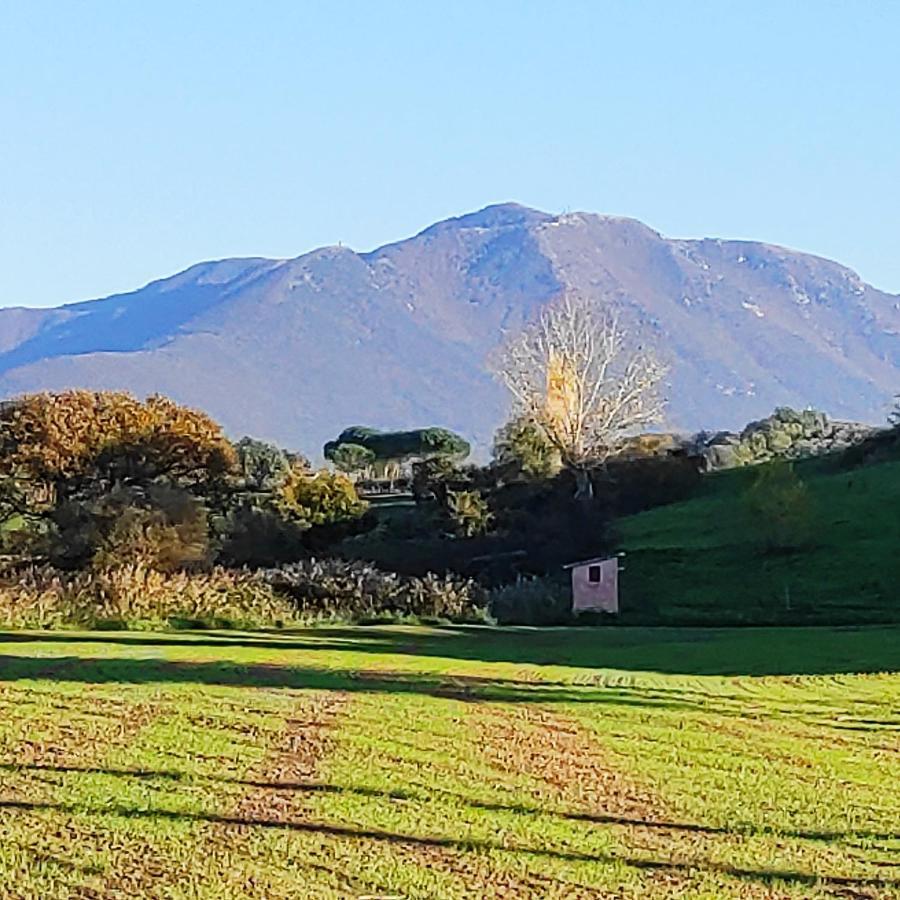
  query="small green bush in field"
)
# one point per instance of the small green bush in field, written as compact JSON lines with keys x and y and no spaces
{"x":778,"y":508}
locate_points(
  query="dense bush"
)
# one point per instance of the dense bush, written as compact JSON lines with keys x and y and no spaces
{"x":457,"y":495}
{"x":532,"y":601}
{"x":61,"y":445}
{"x":339,"y":589}
{"x":254,"y":531}
{"x":306,"y":511}
{"x":532,"y":526}
{"x":880,"y":446}
{"x":522,"y":450}
{"x":469,"y":513}
{"x":631,"y":485}
{"x":169,"y":532}
{"x":778,"y":508}
{"x":321,"y":498}
{"x":160,"y":525}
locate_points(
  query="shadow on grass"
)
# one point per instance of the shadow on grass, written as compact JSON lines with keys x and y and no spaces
{"x":313,"y":787}
{"x":99,"y":670}
{"x":466,"y":688}
{"x":687,"y":651}
{"x":765,"y":876}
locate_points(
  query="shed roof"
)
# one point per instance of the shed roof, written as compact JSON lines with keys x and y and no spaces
{"x":589,"y":562}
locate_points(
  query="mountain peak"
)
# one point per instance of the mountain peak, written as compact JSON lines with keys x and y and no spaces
{"x":497,"y":215}
{"x":401,"y":335}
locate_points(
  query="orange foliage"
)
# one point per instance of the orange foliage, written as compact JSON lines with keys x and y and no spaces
{"x":64,"y":439}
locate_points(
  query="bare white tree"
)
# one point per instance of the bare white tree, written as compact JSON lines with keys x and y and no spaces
{"x":576,"y":375}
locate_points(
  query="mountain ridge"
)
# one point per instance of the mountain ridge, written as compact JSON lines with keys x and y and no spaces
{"x":295,"y":349}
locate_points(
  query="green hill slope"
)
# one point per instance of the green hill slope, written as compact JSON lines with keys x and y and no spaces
{"x":700,"y":562}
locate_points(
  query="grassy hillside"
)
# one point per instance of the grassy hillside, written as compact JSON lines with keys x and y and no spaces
{"x":451,"y":763}
{"x":700,"y":562}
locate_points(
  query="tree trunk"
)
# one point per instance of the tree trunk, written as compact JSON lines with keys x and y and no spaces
{"x":584,"y":486}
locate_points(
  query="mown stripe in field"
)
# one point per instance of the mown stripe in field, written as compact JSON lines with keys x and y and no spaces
{"x":172,"y":783}
{"x":573,"y":777}
{"x":256,"y":842}
{"x":564,"y":769}
{"x":762,"y":815}
{"x":406,"y":788}
{"x":313,"y":850}
{"x":46,"y":849}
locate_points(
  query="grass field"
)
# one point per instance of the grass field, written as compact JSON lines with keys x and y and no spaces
{"x":695,"y":562}
{"x":451,"y":763}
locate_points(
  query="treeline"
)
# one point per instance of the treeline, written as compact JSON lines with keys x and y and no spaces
{"x":120,"y":510}
{"x":115,"y":509}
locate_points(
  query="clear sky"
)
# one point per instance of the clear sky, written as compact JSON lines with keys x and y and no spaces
{"x":138,"y":138}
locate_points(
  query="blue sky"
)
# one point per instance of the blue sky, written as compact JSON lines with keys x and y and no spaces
{"x":138,"y":138}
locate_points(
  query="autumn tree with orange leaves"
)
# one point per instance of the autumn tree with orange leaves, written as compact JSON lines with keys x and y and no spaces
{"x":75,"y":465}
{"x":59,"y":445}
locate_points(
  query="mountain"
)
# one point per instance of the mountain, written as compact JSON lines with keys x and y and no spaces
{"x":294,"y":350}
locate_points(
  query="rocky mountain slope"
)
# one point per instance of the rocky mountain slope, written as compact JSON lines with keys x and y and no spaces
{"x":295,"y":350}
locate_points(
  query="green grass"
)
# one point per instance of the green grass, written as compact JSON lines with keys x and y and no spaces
{"x":698,"y":562}
{"x":451,"y":763}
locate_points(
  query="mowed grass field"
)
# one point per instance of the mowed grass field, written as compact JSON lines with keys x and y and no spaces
{"x":401,"y":762}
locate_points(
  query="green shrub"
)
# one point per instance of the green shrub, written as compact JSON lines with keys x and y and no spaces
{"x":432,"y":478}
{"x":338,"y":589}
{"x":321,"y":498}
{"x":523,"y":448}
{"x":169,"y":533}
{"x":778,"y":508}
{"x":631,"y":485}
{"x":881,"y":446}
{"x":469,"y":513}
{"x":255,"y":532}
{"x":532,"y":601}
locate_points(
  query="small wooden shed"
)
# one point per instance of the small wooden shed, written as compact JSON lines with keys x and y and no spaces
{"x":595,"y":585}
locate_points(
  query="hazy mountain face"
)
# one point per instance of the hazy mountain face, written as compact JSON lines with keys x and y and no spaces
{"x":296,"y":350}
